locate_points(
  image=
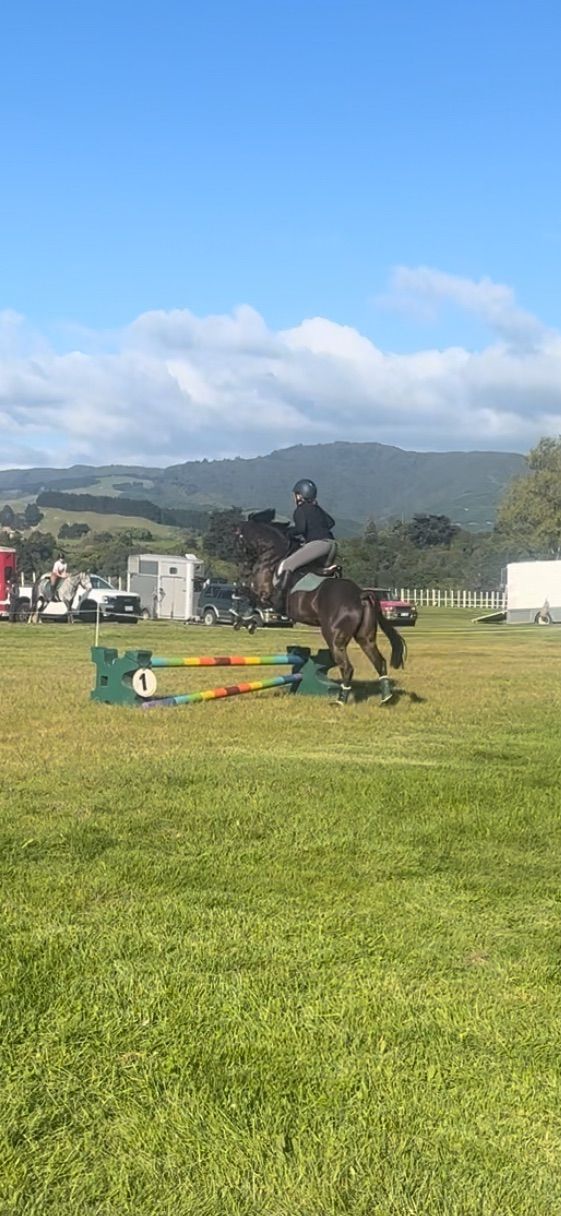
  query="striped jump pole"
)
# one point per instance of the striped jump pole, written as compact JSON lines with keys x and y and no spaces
{"x":130,"y":679}
{"x":233,"y":660}
{"x":217,"y":694}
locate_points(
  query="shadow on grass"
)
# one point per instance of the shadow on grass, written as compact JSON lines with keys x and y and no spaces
{"x":370,"y":690}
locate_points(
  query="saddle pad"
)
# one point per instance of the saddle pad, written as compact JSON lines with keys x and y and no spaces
{"x":309,"y":582}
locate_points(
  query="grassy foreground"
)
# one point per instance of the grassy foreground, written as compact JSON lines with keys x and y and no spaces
{"x":269,"y":958}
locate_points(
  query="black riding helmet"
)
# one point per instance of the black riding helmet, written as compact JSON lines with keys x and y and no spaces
{"x":306,"y":489}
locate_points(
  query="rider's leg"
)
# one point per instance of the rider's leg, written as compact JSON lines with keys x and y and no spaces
{"x":312,"y":552}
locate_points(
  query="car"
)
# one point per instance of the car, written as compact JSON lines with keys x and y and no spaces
{"x":396,"y":610}
{"x":219,"y":603}
{"x":114,"y":605}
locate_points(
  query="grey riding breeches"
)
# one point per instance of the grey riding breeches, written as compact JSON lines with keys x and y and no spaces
{"x":312,"y":552}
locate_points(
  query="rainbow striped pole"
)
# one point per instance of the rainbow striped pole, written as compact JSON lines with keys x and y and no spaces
{"x":216,"y":694}
{"x":231,"y":660}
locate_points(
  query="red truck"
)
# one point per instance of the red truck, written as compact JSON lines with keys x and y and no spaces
{"x":400,"y":612}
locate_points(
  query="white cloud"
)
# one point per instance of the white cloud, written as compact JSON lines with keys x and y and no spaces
{"x":173,"y":386}
{"x":424,"y":288}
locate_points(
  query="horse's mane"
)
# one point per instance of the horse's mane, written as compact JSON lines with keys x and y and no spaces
{"x":264,"y":537}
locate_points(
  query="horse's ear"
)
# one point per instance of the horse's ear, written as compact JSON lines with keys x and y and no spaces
{"x":265,"y":516}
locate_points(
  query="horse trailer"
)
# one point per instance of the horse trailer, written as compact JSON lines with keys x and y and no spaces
{"x":533,"y":593}
{"x":168,"y":585}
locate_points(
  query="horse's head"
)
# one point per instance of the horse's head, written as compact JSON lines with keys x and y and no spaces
{"x":261,"y":546}
{"x":84,"y":581}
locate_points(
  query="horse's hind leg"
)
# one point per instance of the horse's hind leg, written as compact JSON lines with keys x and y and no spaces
{"x":370,"y":649}
{"x":378,"y":661}
{"x":366,"y":638}
{"x":338,"y":643}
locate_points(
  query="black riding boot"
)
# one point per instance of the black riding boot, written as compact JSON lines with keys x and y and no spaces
{"x":279,"y":593}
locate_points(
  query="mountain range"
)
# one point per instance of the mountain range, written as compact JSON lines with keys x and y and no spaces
{"x":357,"y":481}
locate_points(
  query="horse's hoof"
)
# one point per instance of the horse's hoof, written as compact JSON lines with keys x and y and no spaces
{"x":386,"y":690}
{"x":343,"y":696}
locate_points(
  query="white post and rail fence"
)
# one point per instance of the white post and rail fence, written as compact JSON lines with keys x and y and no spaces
{"x":433,"y":597}
{"x":493,"y":601}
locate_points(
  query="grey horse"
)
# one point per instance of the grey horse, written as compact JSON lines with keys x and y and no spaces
{"x":65,"y":594}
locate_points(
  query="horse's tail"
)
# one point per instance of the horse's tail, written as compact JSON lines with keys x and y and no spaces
{"x":399,"y":649}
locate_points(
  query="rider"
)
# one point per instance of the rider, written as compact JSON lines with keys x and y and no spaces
{"x":58,"y":572}
{"x":314,"y":526}
{"x":13,"y":595}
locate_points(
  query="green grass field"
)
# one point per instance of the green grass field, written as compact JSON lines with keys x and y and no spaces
{"x":266,"y":957}
{"x":55,"y":517}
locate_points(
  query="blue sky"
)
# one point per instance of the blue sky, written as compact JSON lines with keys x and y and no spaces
{"x":284,"y":156}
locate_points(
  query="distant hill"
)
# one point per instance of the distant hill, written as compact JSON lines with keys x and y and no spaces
{"x":356,"y":481}
{"x":77,"y":477}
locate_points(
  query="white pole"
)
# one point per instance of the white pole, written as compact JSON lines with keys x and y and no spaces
{"x":97,"y":615}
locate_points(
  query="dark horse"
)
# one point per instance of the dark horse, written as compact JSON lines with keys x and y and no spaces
{"x":339,"y":606}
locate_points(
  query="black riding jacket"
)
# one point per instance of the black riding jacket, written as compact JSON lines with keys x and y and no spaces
{"x":311,"y":522}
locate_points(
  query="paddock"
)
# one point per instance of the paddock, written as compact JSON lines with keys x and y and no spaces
{"x":278,"y":950}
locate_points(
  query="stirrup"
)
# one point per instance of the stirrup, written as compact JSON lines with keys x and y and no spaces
{"x":332,"y":571}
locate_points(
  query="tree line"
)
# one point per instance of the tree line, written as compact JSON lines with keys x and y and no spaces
{"x":426,"y":551}
{"x":141,"y":508}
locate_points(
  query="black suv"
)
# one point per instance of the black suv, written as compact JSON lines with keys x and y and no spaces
{"x":219,"y":604}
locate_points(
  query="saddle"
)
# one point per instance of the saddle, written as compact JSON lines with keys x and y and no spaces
{"x":50,"y":593}
{"x":309,"y":578}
